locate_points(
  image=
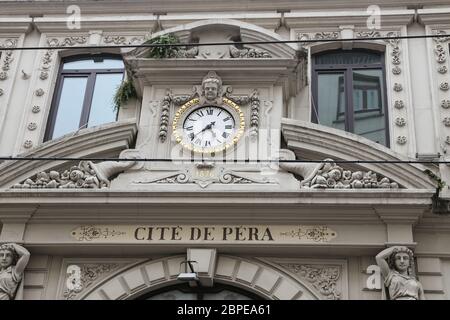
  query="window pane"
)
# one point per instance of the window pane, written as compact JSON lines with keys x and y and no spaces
{"x":91,"y":64}
{"x":70,"y":105}
{"x":368,"y":104}
{"x":331,"y":100}
{"x":102,"y":107}
{"x":348,"y":57}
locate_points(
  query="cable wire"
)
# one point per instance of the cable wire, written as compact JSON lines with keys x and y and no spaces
{"x":155,"y":45}
{"x":224,"y":160}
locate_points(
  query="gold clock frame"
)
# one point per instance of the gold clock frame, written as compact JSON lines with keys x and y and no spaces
{"x":191,"y":105}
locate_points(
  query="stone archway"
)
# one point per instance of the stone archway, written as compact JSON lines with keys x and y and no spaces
{"x":252,"y":275}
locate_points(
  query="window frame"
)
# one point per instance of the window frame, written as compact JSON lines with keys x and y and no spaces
{"x":91,"y":75}
{"x":347,"y":71}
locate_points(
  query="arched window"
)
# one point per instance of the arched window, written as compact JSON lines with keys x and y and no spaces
{"x":84,"y":94}
{"x":349,"y":93}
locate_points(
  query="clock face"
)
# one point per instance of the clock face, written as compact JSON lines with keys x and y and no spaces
{"x":209,"y":127}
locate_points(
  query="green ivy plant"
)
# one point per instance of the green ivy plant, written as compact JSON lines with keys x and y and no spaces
{"x":440,"y":183}
{"x":163,"y":52}
{"x":124,"y":93}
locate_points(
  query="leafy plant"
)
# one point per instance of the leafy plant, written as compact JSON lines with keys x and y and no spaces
{"x":440,"y":183}
{"x":165,"y":51}
{"x":124,"y":93}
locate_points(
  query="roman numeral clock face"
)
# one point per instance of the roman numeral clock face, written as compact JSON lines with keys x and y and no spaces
{"x":208,"y":129}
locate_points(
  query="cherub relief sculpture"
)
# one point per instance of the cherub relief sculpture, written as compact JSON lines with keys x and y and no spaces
{"x":397,"y":268}
{"x":211,"y":88}
{"x":13,"y":260}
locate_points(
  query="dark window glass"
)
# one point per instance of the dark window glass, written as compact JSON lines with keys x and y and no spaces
{"x":84,"y":95}
{"x":349,"y":93}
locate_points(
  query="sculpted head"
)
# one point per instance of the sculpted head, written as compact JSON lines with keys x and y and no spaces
{"x":401,"y":260}
{"x":8,"y":256}
{"x":211,"y":86}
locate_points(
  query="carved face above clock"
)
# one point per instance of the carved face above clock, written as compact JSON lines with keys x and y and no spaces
{"x":208,"y":128}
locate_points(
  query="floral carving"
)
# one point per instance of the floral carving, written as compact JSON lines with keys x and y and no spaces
{"x":186,"y":53}
{"x":43,"y":75}
{"x":441,"y":55}
{"x":7,"y":57}
{"x":32,"y":126}
{"x":36,"y":109}
{"x":85,"y":175}
{"x":39,"y":92}
{"x":317,"y":234}
{"x":399,"y":104}
{"x":444,"y":86}
{"x":401,"y":140}
{"x":323,"y":278}
{"x":164,"y":118}
{"x":442,"y":69}
{"x":445,"y":104}
{"x":396,"y":70}
{"x":401,"y":122}
{"x":1,"y":92}
{"x":3,"y":75}
{"x":398,"y":87}
{"x":28,"y":144}
{"x":248,"y":53}
{"x":89,"y":233}
{"x":328,"y":175}
{"x":446,"y":121}
{"x":447,"y":140}
{"x":89,"y":273}
{"x":254,"y":118}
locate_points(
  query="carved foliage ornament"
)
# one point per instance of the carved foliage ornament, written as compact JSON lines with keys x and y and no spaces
{"x":85,"y":175}
{"x":86,"y":275}
{"x":7,"y":58}
{"x":328,"y":175}
{"x":323,"y":278}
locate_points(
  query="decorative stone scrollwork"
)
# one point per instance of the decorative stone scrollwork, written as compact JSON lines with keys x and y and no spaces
{"x":36,"y":109}
{"x":328,"y":175}
{"x":28,"y":144}
{"x":318,"y":36}
{"x":444,"y":86}
{"x":401,"y":140}
{"x":67,"y":42}
{"x":164,"y":118}
{"x":399,"y":104}
{"x":401,"y":122}
{"x":88,"y":274}
{"x":39,"y":92}
{"x":398,"y":87}
{"x":85,"y":175}
{"x":32,"y":126}
{"x":115,"y":39}
{"x":445,"y":104}
{"x":248,"y":53}
{"x":323,"y":278}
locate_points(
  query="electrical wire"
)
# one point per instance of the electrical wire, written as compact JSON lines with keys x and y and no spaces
{"x":224,"y":160}
{"x":155,"y":45}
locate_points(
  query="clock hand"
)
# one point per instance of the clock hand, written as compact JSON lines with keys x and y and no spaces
{"x":209,"y":126}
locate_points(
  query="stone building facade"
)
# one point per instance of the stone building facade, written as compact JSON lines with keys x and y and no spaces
{"x":123,"y":229}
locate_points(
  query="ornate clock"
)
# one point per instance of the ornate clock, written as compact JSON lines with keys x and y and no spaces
{"x":208,"y":128}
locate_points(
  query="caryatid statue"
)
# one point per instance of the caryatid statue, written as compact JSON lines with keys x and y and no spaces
{"x":13,"y":260}
{"x":397,"y":268}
